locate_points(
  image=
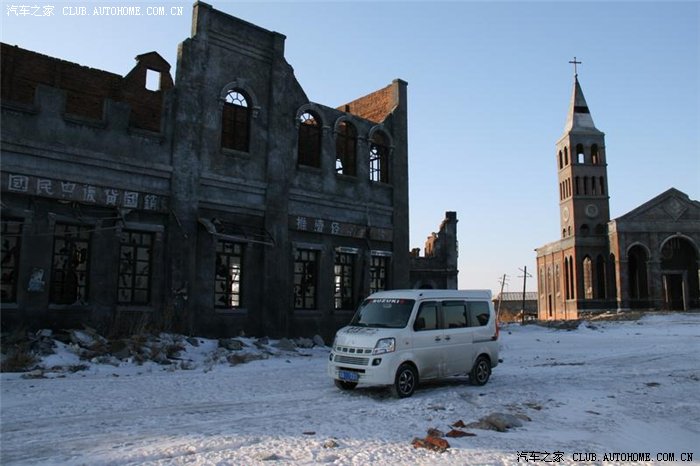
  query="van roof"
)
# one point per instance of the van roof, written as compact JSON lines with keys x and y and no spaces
{"x":433,"y":294}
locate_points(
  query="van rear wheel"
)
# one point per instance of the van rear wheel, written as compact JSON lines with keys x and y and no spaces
{"x":405,"y":382}
{"x":343,"y":385}
{"x":481,"y":371}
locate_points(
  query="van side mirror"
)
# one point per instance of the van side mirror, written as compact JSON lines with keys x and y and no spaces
{"x":419,"y":324}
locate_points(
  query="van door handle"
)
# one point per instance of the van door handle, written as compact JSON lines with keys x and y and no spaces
{"x":447,"y":338}
{"x":438,"y":338}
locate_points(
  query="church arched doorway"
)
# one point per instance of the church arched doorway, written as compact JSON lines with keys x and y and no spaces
{"x":637,"y":258}
{"x":679,"y":272}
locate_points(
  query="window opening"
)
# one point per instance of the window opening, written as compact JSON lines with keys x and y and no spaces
{"x":69,"y":274}
{"x":561,"y":161}
{"x":309,"y":148}
{"x":378,"y":274}
{"x":344,"y":271}
{"x":229,"y":266}
{"x":587,"y":278}
{"x":566,"y":156}
{"x":134,"y":286}
{"x":346,"y":149}
{"x":235,"y":122}
{"x":11,"y":237}
{"x":579,"y":153}
{"x":594,"y":154}
{"x":602,"y":185}
{"x":152,"y":80}
{"x":305,"y":279}
{"x":378,"y":158}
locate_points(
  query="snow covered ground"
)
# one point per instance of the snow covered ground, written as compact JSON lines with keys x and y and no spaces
{"x":604,"y":388}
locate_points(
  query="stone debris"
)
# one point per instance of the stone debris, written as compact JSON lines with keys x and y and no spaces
{"x":22,"y":351}
{"x":500,"y":422}
{"x":454,"y":433}
{"x":331,"y":443}
{"x":431,"y":443}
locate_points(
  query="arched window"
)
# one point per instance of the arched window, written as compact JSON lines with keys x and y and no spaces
{"x":379,"y":158}
{"x":563,"y":232}
{"x":600,"y":277}
{"x":602,"y":185}
{"x":579,"y":154}
{"x":235,"y":121}
{"x":593,"y":186}
{"x":595,"y":160}
{"x":561,"y":191}
{"x":309,"y":140}
{"x":578,"y":185}
{"x":612,"y":284}
{"x":346,"y":149}
{"x":585,"y":185}
{"x":637,"y":272}
{"x":600,"y":229}
{"x":566,"y":156}
{"x":567,"y":286}
{"x":585,"y":230}
{"x":561,"y":161}
{"x":587,"y":278}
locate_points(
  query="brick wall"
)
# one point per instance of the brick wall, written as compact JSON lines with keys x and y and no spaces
{"x":86,"y":88}
{"x":375,"y":106}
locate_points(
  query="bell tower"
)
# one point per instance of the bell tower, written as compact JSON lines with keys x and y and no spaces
{"x":582,"y":172}
{"x":583,"y":201}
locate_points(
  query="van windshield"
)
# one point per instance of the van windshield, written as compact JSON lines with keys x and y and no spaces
{"x":383,"y":312}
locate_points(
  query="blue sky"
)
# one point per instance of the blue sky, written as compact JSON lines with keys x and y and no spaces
{"x":488,"y":88}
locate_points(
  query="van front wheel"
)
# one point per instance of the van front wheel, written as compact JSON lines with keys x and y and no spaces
{"x":481,"y":371}
{"x":405,"y":381}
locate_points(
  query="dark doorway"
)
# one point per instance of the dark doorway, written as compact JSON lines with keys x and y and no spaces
{"x":679,"y":267}
{"x":674,"y":287}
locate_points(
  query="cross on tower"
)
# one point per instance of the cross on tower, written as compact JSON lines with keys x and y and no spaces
{"x":575,"y":63}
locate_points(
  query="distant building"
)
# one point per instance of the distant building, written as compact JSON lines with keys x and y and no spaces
{"x":437,"y":268}
{"x":510,"y":306}
{"x":217,"y":202}
{"x":645,"y":259}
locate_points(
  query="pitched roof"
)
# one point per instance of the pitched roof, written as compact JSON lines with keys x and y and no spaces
{"x":517,"y":296}
{"x":579,"y":116}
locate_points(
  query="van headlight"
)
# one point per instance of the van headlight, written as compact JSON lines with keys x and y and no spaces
{"x":385,"y":345}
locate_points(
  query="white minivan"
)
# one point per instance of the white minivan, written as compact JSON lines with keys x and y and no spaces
{"x":401,"y":337}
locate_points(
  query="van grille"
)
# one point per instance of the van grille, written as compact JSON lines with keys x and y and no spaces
{"x":351,"y":360}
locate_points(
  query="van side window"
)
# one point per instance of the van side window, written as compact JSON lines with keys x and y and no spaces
{"x":426,"y":318}
{"x":478,"y":313}
{"x":455,"y":313}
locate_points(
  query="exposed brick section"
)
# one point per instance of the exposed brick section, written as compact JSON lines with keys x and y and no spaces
{"x":375,"y":106}
{"x":86,"y":88}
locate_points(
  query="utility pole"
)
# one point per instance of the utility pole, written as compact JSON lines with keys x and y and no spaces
{"x":524,"y":275}
{"x":500,"y":297}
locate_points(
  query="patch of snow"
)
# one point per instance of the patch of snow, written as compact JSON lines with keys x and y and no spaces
{"x":603,"y":387}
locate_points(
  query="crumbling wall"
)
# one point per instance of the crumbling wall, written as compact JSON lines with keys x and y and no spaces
{"x":375,"y":106}
{"x":86,"y":88}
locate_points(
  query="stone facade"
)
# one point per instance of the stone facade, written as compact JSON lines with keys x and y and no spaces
{"x":221,"y":201}
{"x":437,"y":268}
{"x":646,"y":259}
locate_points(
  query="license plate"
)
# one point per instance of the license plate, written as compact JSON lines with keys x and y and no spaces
{"x":348,"y":376}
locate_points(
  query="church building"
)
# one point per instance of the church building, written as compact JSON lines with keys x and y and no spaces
{"x":645,"y":259}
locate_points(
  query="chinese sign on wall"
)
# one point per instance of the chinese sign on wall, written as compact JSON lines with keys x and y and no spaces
{"x":81,"y":192}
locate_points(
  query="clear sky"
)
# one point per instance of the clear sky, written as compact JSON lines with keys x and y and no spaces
{"x":488,"y":90}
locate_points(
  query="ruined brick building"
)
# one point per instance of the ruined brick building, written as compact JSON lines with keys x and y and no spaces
{"x":437,"y":268}
{"x":645,"y":259}
{"x":220,"y":201}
